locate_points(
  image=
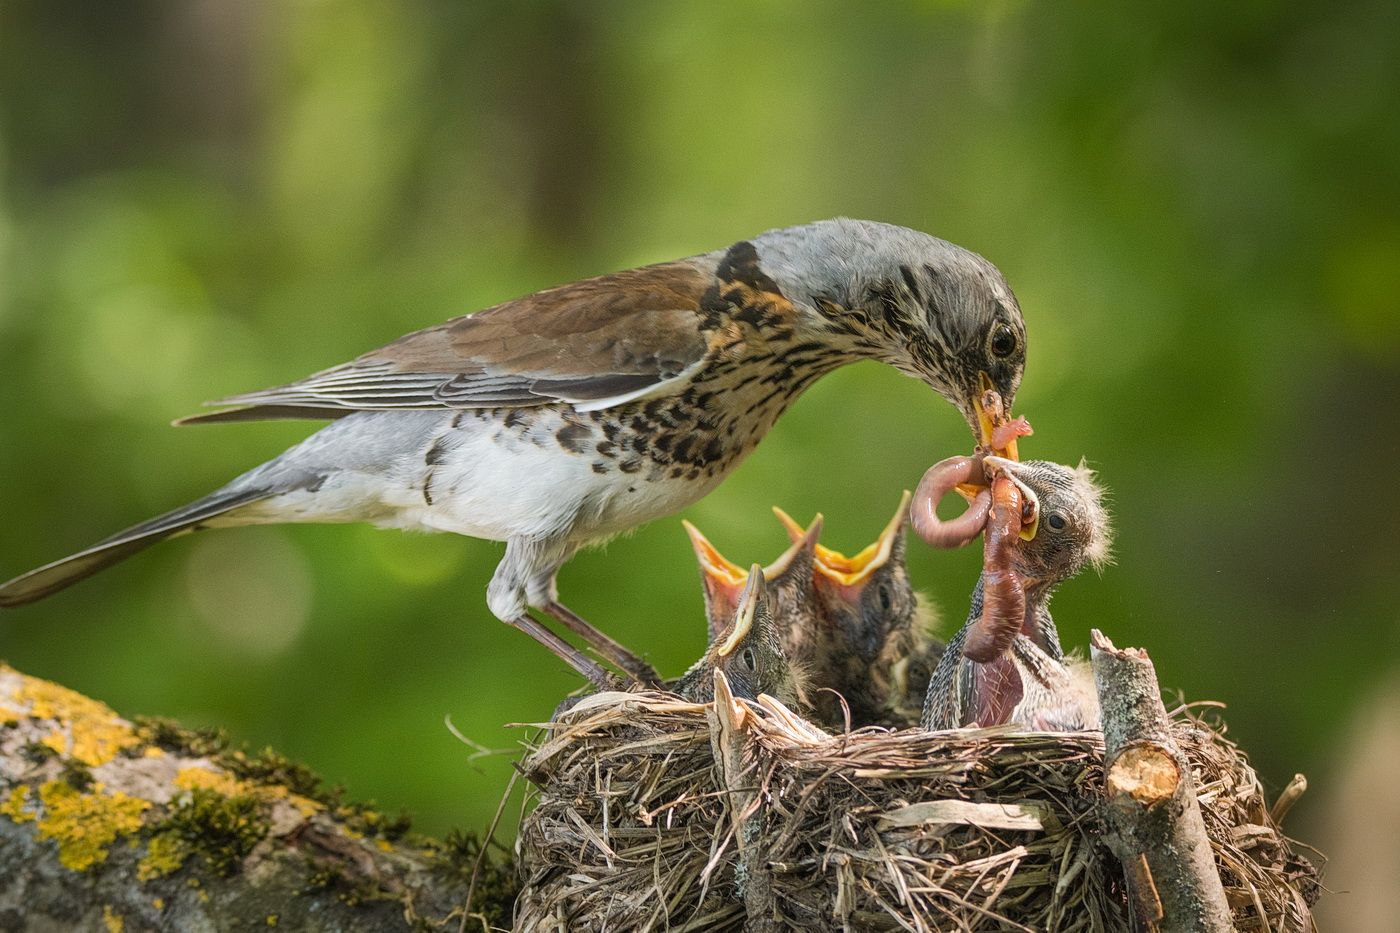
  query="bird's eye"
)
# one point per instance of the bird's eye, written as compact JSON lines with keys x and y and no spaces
{"x":883,"y":593}
{"x":750,"y":662}
{"x":1056,"y":521}
{"x":1003,"y":341}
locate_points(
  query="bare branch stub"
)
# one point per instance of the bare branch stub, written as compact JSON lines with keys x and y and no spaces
{"x":1150,"y":805}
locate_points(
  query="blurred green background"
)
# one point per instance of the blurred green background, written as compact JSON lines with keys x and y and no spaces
{"x":1195,"y":202}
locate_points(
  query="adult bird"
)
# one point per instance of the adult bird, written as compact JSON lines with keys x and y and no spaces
{"x":576,"y":413}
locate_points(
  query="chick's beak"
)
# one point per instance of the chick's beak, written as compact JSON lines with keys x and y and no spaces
{"x":754,"y":590}
{"x":713,"y":564}
{"x":1030,"y":502}
{"x":852,"y":573}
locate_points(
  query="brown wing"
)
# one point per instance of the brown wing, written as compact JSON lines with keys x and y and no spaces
{"x":593,"y":343}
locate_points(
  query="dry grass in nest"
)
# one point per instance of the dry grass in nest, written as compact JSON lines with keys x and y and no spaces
{"x":653,"y":813}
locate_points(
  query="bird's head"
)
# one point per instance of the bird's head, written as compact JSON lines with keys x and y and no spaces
{"x":788,"y":581}
{"x":1071,"y":524}
{"x":947,"y":317}
{"x":866,"y":598}
{"x":933,"y":310}
{"x":750,"y":651}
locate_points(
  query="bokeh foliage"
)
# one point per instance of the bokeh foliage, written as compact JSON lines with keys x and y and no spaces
{"x":1194,"y":201}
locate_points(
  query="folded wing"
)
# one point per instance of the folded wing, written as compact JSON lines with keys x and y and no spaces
{"x":594,"y":343}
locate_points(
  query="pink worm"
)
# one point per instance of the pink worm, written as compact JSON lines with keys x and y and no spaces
{"x":937,"y":483}
{"x":1003,"y":593}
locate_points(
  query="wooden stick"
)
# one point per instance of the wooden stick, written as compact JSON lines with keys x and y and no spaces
{"x":728,"y":731}
{"x":1154,"y":818}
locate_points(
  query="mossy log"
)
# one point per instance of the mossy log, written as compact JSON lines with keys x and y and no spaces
{"x":112,"y":825}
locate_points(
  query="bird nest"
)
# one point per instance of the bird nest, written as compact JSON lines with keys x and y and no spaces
{"x":653,"y":813}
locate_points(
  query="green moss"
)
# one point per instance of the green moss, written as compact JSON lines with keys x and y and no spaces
{"x":497,"y":883}
{"x":272,"y":767}
{"x":169,"y":735}
{"x":165,"y":854}
{"x":325,"y":878}
{"x":77,"y":774}
{"x":36,"y":753}
{"x":220,"y":830}
{"x":363,"y":819}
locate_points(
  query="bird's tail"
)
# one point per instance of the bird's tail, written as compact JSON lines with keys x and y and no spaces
{"x":50,"y":578}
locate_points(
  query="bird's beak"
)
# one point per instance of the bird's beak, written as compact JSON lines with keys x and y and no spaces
{"x":803,"y":542}
{"x":721,"y":578}
{"x":797,"y":534}
{"x":754,"y":590}
{"x":854,"y":571}
{"x":1030,"y":502}
{"x":985,"y":421}
{"x":714,"y":565}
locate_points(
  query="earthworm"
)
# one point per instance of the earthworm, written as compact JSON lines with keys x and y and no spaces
{"x":1004,"y":429}
{"x":940,"y":479}
{"x":1003,"y":594}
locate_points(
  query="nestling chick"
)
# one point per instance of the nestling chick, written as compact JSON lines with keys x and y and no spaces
{"x":999,"y":668}
{"x":749,"y":651}
{"x":869,"y":637}
{"x":788,"y":579}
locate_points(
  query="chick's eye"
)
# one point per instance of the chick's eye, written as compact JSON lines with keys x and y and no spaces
{"x":750,"y":662}
{"x":1003,"y":341}
{"x":883,"y":594}
{"x":1056,"y":521}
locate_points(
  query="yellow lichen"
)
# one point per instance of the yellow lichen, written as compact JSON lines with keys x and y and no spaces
{"x":202,"y":778}
{"x":197,"y":778}
{"x":272,"y":920}
{"x":113,"y":920}
{"x":304,"y":805}
{"x":85,"y":823}
{"x":153,"y":751}
{"x":13,"y":807}
{"x":384,"y":845}
{"x":84,"y":729}
{"x":158,"y":903}
{"x":165,"y":854}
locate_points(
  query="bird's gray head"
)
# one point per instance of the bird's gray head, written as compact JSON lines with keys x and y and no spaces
{"x":1072,"y":526}
{"x":933,"y":310}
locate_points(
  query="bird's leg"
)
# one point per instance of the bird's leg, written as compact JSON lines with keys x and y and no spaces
{"x":636,"y":668}
{"x":527,"y":573}
{"x":576,"y":659}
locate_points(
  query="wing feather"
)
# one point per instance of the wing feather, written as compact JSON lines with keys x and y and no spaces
{"x":593,"y":343}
